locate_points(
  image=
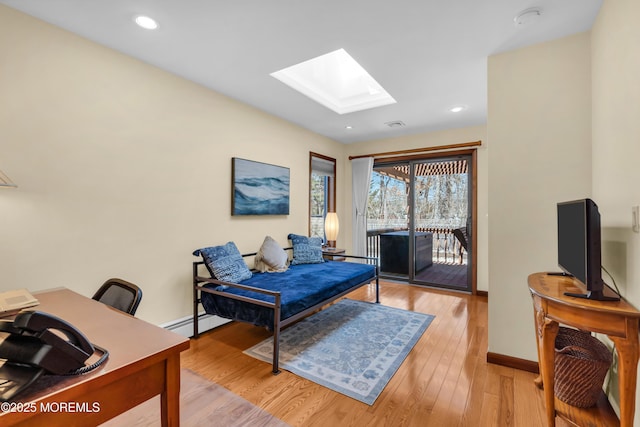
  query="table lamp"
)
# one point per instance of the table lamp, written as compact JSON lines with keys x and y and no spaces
{"x":331,"y":228}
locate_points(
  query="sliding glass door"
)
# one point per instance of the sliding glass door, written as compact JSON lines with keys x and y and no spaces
{"x":419,"y":220}
{"x":441,"y":217}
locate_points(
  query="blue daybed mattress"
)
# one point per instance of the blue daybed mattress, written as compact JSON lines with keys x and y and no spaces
{"x":301,"y":286}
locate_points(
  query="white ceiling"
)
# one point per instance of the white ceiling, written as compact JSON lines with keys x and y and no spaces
{"x":428,"y":54}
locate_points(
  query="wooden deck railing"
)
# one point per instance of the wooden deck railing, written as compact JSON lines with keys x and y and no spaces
{"x":446,"y":247}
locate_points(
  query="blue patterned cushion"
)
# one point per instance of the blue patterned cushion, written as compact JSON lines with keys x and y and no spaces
{"x":225,"y":263}
{"x":306,"y":250}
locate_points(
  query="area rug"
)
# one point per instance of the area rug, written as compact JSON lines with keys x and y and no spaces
{"x":352,"y":347}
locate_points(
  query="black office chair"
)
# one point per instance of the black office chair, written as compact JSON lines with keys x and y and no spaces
{"x":120,"y":294}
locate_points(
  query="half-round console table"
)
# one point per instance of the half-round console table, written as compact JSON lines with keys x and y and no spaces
{"x":618,"y":320}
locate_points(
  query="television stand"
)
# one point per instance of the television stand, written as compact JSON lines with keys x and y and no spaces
{"x":619,"y":321}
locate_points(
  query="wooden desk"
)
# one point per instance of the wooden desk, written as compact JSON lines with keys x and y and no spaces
{"x":618,"y":320}
{"x":144,"y":361}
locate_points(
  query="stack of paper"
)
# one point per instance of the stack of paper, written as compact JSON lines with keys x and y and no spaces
{"x":12,"y":302}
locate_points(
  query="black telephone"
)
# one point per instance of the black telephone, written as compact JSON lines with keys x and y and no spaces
{"x":32,"y":348}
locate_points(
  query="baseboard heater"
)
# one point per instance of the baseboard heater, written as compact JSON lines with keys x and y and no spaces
{"x":184,"y":325}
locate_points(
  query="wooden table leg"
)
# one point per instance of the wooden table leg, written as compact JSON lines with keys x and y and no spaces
{"x":170,"y":398}
{"x":627,"y":368}
{"x":548,"y":332}
{"x":538,"y":318}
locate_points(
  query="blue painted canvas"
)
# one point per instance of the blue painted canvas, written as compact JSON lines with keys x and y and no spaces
{"x":259,"y":188}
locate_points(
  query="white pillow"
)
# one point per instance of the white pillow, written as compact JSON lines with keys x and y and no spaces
{"x":271,"y":257}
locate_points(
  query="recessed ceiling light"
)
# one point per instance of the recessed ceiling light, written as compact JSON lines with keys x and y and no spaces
{"x":348,"y":127}
{"x":527,"y":17}
{"x":146,"y":22}
{"x":457,"y":108}
{"x":336,"y":81}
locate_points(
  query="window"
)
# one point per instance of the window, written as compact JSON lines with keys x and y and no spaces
{"x":322,"y":192}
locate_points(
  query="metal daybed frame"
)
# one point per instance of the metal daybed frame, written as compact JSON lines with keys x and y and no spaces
{"x":278,"y":324}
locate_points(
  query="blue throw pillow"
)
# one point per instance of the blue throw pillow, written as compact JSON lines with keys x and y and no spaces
{"x":225,"y":263}
{"x":306,"y":250}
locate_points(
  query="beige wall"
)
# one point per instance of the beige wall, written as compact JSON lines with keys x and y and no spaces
{"x":123,"y":170}
{"x":432,"y":139}
{"x":616,"y":130}
{"x":616,"y":142}
{"x":537,"y":101}
{"x":539,"y":128}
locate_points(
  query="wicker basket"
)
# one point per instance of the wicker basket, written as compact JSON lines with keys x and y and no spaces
{"x":581,"y":364}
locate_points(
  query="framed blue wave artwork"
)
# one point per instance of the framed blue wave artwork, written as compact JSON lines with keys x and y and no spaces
{"x":259,"y":188}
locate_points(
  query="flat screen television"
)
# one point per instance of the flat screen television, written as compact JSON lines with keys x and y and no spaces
{"x":579,"y":252}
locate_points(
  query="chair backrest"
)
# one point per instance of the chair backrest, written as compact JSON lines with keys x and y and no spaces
{"x":461,"y":235}
{"x":120,"y":294}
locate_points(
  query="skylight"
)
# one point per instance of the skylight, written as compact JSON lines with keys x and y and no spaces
{"x":336,"y":81}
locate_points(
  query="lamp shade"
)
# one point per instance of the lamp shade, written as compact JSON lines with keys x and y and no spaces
{"x":331,"y":226}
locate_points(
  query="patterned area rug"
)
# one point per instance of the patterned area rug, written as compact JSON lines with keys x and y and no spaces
{"x":352,"y":347}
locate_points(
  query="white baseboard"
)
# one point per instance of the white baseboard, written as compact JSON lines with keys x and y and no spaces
{"x":184,"y":325}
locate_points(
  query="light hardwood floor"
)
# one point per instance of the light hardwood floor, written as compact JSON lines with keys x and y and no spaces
{"x":444,"y":381}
